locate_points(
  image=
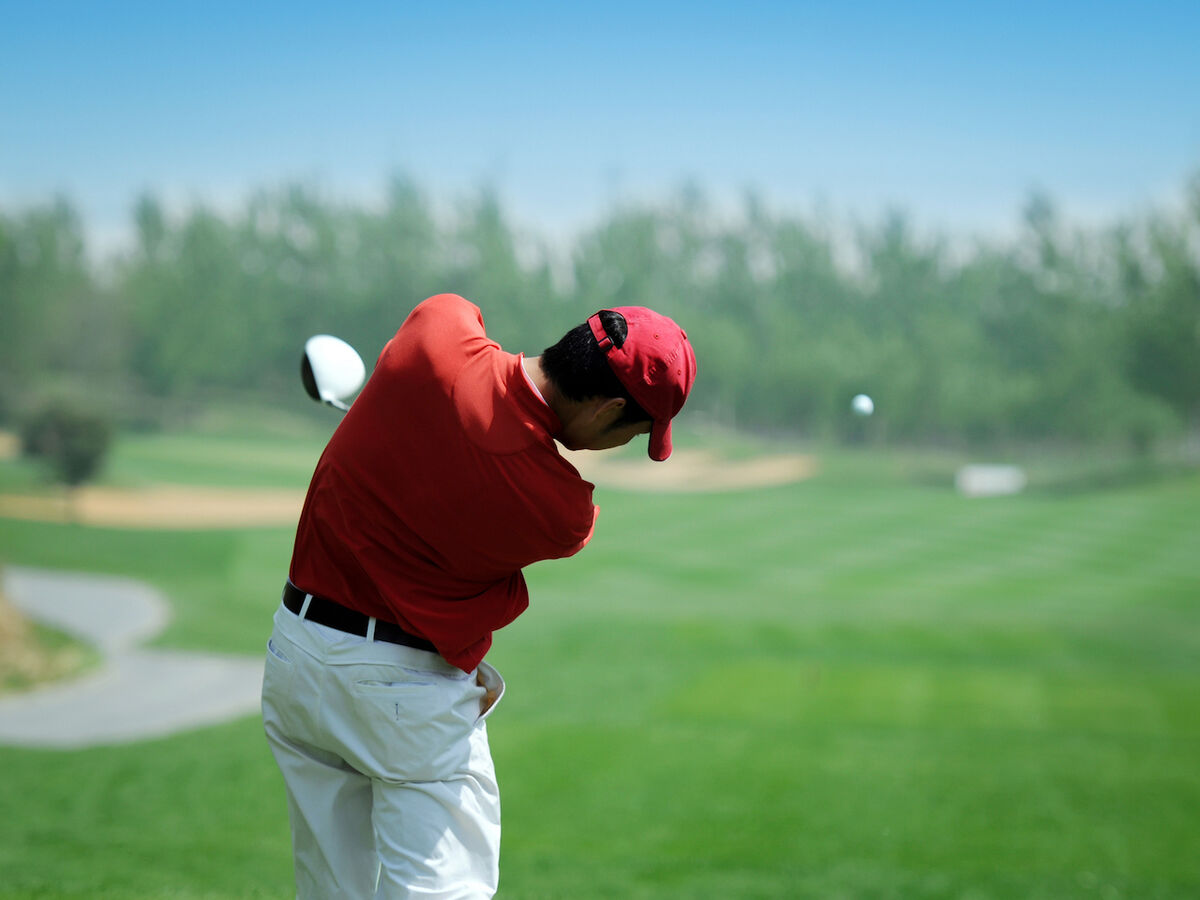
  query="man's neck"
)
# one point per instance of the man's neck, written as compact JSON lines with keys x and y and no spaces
{"x":545,"y":387}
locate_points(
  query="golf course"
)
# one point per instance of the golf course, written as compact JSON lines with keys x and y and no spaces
{"x":851,"y":684}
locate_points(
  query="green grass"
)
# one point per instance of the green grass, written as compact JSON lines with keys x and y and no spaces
{"x":59,"y":656}
{"x":206,"y":458}
{"x":861,"y":686}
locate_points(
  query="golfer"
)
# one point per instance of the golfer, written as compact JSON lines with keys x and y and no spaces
{"x":441,"y":483}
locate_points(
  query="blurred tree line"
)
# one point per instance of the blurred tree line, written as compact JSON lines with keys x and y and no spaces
{"x":1056,"y":335}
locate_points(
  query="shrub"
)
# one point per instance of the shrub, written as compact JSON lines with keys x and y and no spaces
{"x":72,"y":441}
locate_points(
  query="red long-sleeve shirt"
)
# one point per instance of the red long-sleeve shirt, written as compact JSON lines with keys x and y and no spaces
{"x":440,"y":484}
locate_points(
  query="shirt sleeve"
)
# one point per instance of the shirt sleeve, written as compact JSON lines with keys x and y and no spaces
{"x":572,"y":549}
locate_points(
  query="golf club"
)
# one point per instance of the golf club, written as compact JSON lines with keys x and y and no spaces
{"x":332,"y":370}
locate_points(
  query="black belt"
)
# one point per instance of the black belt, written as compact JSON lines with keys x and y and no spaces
{"x":324,"y":611}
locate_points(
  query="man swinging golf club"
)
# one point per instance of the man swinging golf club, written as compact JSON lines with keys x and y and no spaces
{"x":440,"y":484}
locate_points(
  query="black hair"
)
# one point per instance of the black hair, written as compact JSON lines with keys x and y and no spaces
{"x":580,"y":369}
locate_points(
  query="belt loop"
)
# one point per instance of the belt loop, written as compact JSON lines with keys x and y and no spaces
{"x":371,"y":629}
{"x":304,"y":609}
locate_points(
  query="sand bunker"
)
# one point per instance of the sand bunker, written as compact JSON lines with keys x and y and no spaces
{"x":192,"y":507}
{"x":691,"y":471}
{"x":163,"y":506}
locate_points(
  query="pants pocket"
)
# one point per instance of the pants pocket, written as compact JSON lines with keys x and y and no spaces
{"x":276,"y":651}
{"x":278,"y":669}
{"x":415,"y":730}
{"x":279,"y":674}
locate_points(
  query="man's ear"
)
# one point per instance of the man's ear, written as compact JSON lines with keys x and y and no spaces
{"x":608,"y":409}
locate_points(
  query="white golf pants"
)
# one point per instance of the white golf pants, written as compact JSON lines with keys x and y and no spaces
{"x":384,"y":752}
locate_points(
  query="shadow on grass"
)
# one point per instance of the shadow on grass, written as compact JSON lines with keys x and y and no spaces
{"x":1110,"y":476}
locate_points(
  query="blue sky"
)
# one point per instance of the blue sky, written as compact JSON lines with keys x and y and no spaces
{"x":952,"y":112}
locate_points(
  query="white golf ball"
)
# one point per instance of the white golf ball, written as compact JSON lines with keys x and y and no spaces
{"x":862,"y":405}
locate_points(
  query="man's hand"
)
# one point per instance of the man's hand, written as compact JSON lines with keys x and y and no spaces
{"x":490,"y":695}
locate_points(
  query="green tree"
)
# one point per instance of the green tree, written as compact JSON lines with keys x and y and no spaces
{"x":52,"y":315}
{"x":71,"y":441}
{"x":1162,"y":315}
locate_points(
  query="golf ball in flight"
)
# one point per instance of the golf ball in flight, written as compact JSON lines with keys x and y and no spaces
{"x":862,"y":405}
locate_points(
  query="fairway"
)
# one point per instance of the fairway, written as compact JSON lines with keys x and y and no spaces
{"x":859,"y":685}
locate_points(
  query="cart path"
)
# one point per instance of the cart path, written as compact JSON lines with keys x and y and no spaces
{"x":135,"y":693}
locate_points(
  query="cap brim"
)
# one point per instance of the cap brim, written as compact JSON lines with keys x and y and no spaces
{"x":660,"y":440}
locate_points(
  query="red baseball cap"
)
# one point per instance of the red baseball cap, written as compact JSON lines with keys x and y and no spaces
{"x":656,"y":365}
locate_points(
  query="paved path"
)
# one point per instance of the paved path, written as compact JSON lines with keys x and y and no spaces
{"x":136,"y":693}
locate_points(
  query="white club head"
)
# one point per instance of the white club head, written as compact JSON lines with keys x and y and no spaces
{"x":332,"y":370}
